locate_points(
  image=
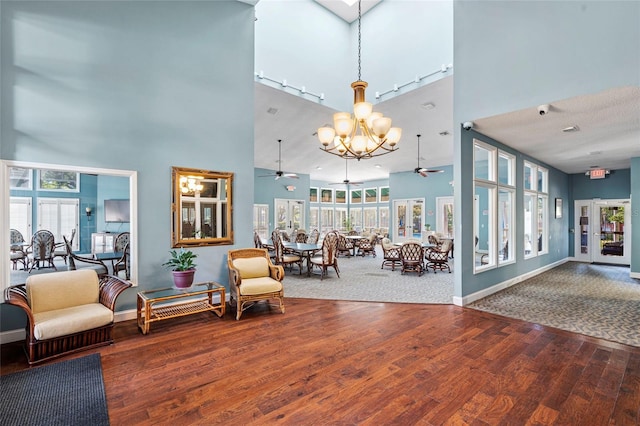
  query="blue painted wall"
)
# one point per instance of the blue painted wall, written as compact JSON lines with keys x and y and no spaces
{"x":123,"y":85}
{"x":513,"y":55}
{"x":411,"y":185}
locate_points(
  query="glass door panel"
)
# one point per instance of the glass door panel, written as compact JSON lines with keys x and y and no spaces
{"x":408,"y":219}
{"x":582,"y":220}
{"x":609,"y":218}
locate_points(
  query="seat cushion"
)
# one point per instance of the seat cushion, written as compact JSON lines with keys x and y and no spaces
{"x":59,"y":290}
{"x":61,"y":322}
{"x":252,"y":267}
{"x":254,"y":286}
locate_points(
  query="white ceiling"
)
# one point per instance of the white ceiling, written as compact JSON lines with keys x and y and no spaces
{"x":608,"y":136}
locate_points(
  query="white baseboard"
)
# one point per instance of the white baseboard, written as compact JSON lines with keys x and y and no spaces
{"x":634,"y":275}
{"x":463,"y":301}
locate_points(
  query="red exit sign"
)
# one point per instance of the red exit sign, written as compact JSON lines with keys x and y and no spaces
{"x":597,"y":173}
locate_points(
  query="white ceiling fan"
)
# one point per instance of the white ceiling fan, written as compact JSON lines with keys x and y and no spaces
{"x":280,"y":173}
{"x":346,"y":180}
{"x":421,"y":170}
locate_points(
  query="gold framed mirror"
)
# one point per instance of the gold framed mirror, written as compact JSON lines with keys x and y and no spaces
{"x":201,"y":207}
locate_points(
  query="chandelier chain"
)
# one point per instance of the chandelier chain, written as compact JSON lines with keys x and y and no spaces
{"x":359,"y":41}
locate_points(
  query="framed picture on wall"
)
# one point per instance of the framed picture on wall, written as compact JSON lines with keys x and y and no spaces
{"x":341,"y":196}
{"x":356,"y":196}
{"x":313,"y":195}
{"x":326,"y":195}
{"x":558,"y":208}
{"x":371,"y":195}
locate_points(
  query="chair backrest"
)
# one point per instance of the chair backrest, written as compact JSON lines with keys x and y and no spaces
{"x":313,"y":237}
{"x":278,"y":246}
{"x":386,"y":243}
{"x":329,"y":248}
{"x":284,"y":236}
{"x":122,"y":240}
{"x":43,"y":245}
{"x":301,"y":236}
{"x":411,"y":251}
{"x":256,"y":240}
{"x":433,"y":240}
{"x":16,"y":240}
{"x":446,"y":246}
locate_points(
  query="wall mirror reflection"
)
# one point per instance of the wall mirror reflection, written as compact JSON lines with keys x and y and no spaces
{"x":201,"y":207}
{"x":93,"y":209}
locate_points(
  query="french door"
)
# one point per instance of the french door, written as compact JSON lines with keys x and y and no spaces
{"x":408,"y":219}
{"x":289,"y":214}
{"x":601,"y":227}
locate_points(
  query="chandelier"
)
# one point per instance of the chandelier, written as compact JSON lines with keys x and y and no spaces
{"x":190,"y":184}
{"x":366,"y":134}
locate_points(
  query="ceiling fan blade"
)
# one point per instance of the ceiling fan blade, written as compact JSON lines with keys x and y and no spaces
{"x":267,"y":175}
{"x":356,"y":183}
{"x":290,"y":175}
{"x":433,"y":171}
{"x":423,"y":173}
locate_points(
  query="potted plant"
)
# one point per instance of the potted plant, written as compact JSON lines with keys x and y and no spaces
{"x":183,"y":267}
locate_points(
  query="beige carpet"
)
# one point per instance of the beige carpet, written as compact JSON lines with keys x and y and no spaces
{"x":594,"y":300}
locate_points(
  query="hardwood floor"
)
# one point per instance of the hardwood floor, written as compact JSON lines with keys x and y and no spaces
{"x":345,"y":363}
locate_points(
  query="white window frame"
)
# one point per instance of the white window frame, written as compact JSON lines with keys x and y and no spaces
{"x":26,"y":228}
{"x":383,"y":217}
{"x":340,"y":218}
{"x":14,"y":173}
{"x":367,"y":223}
{"x":314,"y":218}
{"x":538,"y":184}
{"x":355,"y":218}
{"x":39,"y":177}
{"x":261,"y":224}
{"x":55,"y":225}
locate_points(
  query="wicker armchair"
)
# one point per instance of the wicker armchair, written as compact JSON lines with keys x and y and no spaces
{"x":328,"y":256}
{"x":411,"y":256}
{"x":66,"y":311}
{"x":367,"y":246}
{"x":438,"y":257}
{"x":42,"y":249}
{"x":16,"y":249}
{"x":313,"y":237}
{"x":344,"y":246}
{"x":284,"y":257}
{"x":253,"y":277}
{"x":391,"y":254}
{"x":301,"y":236}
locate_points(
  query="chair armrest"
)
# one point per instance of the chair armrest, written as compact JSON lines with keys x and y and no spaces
{"x":276,"y":272}
{"x":110,"y":288}
{"x":17,"y":295}
{"x":234,"y":275}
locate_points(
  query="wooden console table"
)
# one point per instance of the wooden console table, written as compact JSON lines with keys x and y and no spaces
{"x":172,"y":302}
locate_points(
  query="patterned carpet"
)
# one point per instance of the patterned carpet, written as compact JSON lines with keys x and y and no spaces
{"x":361,"y":279}
{"x":595,"y":300}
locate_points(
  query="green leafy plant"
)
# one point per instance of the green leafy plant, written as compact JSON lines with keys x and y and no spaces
{"x":181,"y":260}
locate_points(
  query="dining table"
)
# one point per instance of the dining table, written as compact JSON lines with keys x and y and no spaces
{"x":304,"y":250}
{"x":354,"y":239}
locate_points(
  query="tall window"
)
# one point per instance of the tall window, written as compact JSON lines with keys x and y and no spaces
{"x":326,"y":220}
{"x":261,"y":220}
{"x":314,"y":218}
{"x":370,"y":217}
{"x":355,"y":218}
{"x":60,"y":216}
{"x":20,"y":216}
{"x":383,"y":213}
{"x":536,"y":206}
{"x":342,"y":222}
{"x":494,"y":192}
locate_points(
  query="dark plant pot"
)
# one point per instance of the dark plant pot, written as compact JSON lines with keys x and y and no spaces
{"x":183,"y":279}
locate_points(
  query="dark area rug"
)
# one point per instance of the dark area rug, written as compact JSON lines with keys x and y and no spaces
{"x":64,"y":393}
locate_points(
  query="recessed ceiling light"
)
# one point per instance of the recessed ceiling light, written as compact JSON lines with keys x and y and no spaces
{"x":318,"y":168}
{"x":428,"y":105}
{"x":573,"y":128}
{"x":272,"y":110}
{"x":378,"y":166}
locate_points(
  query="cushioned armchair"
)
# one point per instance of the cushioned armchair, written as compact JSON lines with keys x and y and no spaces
{"x":253,"y":277}
{"x":391,"y":254}
{"x":66,"y":311}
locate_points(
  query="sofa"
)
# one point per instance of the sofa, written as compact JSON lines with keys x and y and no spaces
{"x":66,"y":311}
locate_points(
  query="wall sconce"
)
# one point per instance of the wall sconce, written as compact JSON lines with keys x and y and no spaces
{"x":88,"y":211}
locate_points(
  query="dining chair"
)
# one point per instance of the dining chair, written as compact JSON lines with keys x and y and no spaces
{"x":121,"y":245}
{"x":327,"y":255}
{"x":60,"y":250}
{"x":411,"y":257}
{"x":438,"y":257}
{"x":42,"y":249}
{"x":283,"y":257}
{"x":313,"y":237}
{"x":17,"y":249}
{"x":390,"y":253}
